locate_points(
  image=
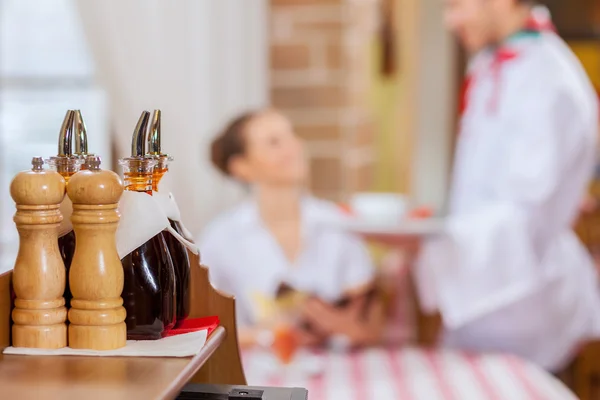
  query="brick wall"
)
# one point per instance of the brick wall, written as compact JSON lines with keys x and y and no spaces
{"x":320,"y":77}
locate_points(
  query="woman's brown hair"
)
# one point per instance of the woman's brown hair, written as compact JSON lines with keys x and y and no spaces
{"x":230,"y":142}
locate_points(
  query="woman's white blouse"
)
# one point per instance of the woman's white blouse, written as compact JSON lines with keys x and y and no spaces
{"x":244,"y":259}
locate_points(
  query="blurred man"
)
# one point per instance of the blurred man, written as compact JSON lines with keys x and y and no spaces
{"x":510,"y":275}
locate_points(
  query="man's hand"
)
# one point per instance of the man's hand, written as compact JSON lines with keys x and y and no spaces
{"x":588,"y":205}
{"x":409,"y":245}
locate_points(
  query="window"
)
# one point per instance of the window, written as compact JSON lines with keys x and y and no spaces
{"x":45,"y":68}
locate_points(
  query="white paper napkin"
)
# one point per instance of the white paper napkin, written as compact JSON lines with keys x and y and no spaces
{"x":142,"y":218}
{"x":169,"y":204}
{"x":189,"y":245}
{"x":184,"y":345}
{"x":187,"y":234}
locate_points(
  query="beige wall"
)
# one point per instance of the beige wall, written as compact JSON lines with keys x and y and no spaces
{"x":389,"y":95}
{"x":435,"y":106}
{"x":320,"y":77}
{"x":414,"y":146}
{"x":366,"y":132}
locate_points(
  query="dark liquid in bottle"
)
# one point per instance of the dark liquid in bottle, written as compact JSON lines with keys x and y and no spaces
{"x":66,"y":245}
{"x":181,"y":263}
{"x":149,"y":292}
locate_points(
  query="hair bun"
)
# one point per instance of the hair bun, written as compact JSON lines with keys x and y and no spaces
{"x":217,"y":155}
{"x":230,"y":143}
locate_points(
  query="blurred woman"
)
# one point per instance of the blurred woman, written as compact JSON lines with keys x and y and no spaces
{"x":282,"y":238}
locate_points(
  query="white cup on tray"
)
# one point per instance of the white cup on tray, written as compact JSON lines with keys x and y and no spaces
{"x":390,"y":208}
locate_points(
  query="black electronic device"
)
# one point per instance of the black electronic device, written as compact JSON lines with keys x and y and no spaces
{"x":196,"y":391}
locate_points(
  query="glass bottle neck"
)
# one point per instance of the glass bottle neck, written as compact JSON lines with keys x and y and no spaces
{"x":157,"y":176}
{"x":160,"y":169}
{"x":65,"y":166}
{"x":138,"y":174}
{"x":135,"y":182}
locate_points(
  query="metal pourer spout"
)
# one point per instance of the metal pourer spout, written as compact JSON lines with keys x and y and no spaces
{"x":138,"y":141}
{"x":64,"y":162}
{"x":37,"y":164}
{"x":81,"y":141}
{"x":154,"y":146}
{"x":154,"y":134}
{"x":65,"y":135}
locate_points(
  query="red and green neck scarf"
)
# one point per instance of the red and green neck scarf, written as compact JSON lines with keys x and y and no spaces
{"x":538,"y":22}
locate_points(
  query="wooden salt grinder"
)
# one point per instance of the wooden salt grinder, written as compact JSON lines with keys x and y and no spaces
{"x":97,"y":314}
{"x":39,"y":276}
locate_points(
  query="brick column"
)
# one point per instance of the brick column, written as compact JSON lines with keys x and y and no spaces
{"x":320,"y":77}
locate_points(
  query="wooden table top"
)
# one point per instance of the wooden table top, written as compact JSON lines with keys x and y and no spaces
{"x":90,"y":378}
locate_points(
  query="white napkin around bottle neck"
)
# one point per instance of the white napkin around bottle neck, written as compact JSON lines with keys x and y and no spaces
{"x":142,"y":218}
{"x":168,"y":205}
{"x":167,"y":200}
{"x":189,"y":245}
{"x":187,"y":234}
{"x":184,"y":345}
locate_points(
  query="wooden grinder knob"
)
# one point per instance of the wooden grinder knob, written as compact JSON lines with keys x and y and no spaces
{"x":39,"y":276}
{"x":97,"y":314}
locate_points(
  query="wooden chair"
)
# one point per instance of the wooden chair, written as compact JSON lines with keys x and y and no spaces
{"x":225,"y":366}
{"x":583,"y":376}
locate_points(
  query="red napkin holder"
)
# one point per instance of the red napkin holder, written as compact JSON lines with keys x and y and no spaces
{"x":195,"y":324}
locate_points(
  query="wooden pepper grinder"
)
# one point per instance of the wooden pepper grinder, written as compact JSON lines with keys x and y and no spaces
{"x":39,"y":276}
{"x":97,"y":314}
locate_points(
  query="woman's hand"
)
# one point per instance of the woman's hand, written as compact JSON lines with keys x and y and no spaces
{"x":348,"y":321}
{"x":309,"y":338}
{"x":330,"y":320}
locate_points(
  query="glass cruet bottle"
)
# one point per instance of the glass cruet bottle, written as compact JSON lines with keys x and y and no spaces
{"x":149,"y":292}
{"x":178,"y":251}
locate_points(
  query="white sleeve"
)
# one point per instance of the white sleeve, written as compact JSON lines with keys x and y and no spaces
{"x":492,"y":256}
{"x":211,"y":256}
{"x":357,"y":268}
{"x":214,"y":256}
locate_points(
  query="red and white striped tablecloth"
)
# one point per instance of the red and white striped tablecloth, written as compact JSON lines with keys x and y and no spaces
{"x":410,"y":373}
